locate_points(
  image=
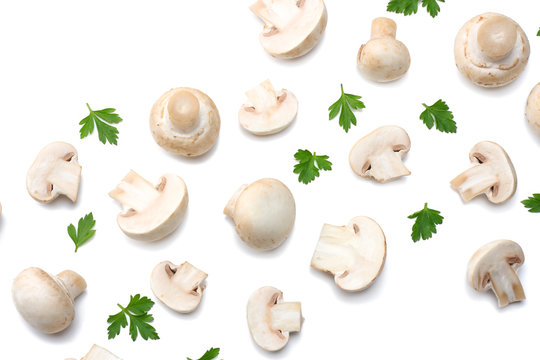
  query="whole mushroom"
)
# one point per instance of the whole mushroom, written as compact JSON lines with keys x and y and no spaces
{"x":533,"y":109}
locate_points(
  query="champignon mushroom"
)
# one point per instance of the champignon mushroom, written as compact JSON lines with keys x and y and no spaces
{"x":379,"y":154}
{"x":46,"y":301}
{"x":99,"y":353}
{"x":185,"y":121}
{"x":383,"y":58}
{"x":178,"y":287}
{"x":55,"y":172}
{"x":494,"y":267}
{"x":492,"y":174}
{"x":270,"y":320}
{"x":533,"y":109}
{"x":263,"y":213}
{"x":292,"y":27}
{"x":150,"y":212}
{"x":268,"y":113}
{"x":491,"y":50}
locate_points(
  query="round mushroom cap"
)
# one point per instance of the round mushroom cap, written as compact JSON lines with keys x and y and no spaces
{"x":533,"y":109}
{"x":384,"y":59}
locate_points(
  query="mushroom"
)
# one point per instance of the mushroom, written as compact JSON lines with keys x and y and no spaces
{"x":292,"y":27}
{"x":268,"y":112}
{"x":270,"y":320}
{"x":383,"y":58}
{"x":150,"y":212}
{"x":99,"y":353}
{"x":354,"y":254}
{"x":379,"y":154}
{"x":178,"y":287}
{"x":533,"y":109}
{"x":263,"y":213}
{"x":46,"y":301}
{"x":55,"y":172}
{"x":494,"y":267}
{"x":185,"y":121}
{"x":492,"y":174}
{"x":491,"y":50}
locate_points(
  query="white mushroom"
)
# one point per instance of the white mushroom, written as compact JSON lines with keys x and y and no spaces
{"x":533,"y":109}
{"x":270,"y":320}
{"x":150,"y":212}
{"x":185,"y":121}
{"x":46,"y":301}
{"x":268,"y":112}
{"x":379,"y":154}
{"x":492,"y":174}
{"x":55,"y":172}
{"x":292,"y":27}
{"x":99,"y":353}
{"x":263,"y":213}
{"x":491,"y":50}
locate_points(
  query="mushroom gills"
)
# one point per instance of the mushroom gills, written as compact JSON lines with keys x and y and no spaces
{"x":473,"y":182}
{"x":135,"y":193}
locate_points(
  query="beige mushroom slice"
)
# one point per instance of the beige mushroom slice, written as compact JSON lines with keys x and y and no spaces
{"x":270,"y":320}
{"x":46,"y":301}
{"x":267,"y":113}
{"x":150,"y":212}
{"x":492,"y":174}
{"x":383,"y":58}
{"x":379,"y":154}
{"x":494,"y":266}
{"x":55,"y":172}
{"x":98,"y":353}
{"x":533,"y":109}
{"x":292,"y":27}
{"x":491,"y":50}
{"x":263,"y":213}
{"x":178,"y":287}
{"x":185,"y":121}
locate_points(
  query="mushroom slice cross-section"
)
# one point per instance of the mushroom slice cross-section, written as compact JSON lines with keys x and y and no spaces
{"x":99,"y":353}
{"x":533,"y":109}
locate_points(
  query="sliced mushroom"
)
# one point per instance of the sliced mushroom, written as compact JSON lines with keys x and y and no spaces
{"x":492,"y":174}
{"x":150,"y":212}
{"x":98,"y":353}
{"x":533,"y":109}
{"x":55,"y":172}
{"x":292,"y":27}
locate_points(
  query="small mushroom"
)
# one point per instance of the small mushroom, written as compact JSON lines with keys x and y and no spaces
{"x":178,"y":287}
{"x":270,"y":320}
{"x":150,"y":212}
{"x":185,"y":121}
{"x":292,"y":27}
{"x":383,"y":58}
{"x":492,"y":174}
{"x":263,"y":213}
{"x":494,"y":267}
{"x":533,"y":109}
{"x":379,"y":154}
{"x":354,"y":254}
{"x":46,"y":301}
{"x":55,"y":172}
{"x":491,"y":50}
{"x":268,"y":112}
{"x":99,"y":353}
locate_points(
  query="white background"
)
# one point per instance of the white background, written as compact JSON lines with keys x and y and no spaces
{"x":58,"y":55}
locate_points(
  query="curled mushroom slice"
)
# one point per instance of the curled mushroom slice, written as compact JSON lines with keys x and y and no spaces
{"x":99,"y":353}
{"x":492,"y":174}
{"x":533,"y":109}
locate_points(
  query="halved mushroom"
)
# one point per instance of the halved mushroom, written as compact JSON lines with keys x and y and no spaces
{"x":270,"y":320}
{"x":494,"y":267}
{"x":379,"y":154}
{"x":150,"y":212}
{"x":292,"y":27}
{"x":178,"y":287}
{"x":99,"y":353}
{"x":55,"y":172}
{"x":268,"y":112}
{"x":533,"y":109}
{"x":492,"y":174}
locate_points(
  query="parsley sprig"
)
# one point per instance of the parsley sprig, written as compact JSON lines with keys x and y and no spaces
{"x":139,"y":319}
{"x":84,"y":230}
{"x":309,"y":165}
{"x":209,"y":355}
{"x":439,"y":114}
{"x":425,"y":224}
{"x":346,"y":104}
{"x":101,"y":119}
{"x":532,"y":203}
{"x":409,"y":7}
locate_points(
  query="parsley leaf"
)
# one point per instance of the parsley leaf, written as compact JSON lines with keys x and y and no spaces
{"x":209,"y":355}
{"x":346,"y":104}
{"x":309,"y":165}
{"x":532,"y":203}
{"x":409,"y":7}
{"x":440,"y":115}
{"x":101,"y":119}
{"x":425,"y":224}
{"x":137,"y":312}
{"x":85,"y":231}
{"x":538,"y":33}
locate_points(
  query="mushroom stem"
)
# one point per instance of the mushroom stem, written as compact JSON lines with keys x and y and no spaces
{"x":183,"y":108}
{"x":66,"y":177}
{"x":189,"y":277}
{"x":277,"y":13}
{"x":473,"y":182}
{"x":134,"y":192}
{"x":330,"y":255}
{"x":388,"y":166}
{"x":74,"y":283}
{"x":383,"y":28}
{"x":231,"y":205}
{"x":263,"y":96}
{"x":506,"y":285}
{"x":286,"y":316}
{"x":497,"y":36}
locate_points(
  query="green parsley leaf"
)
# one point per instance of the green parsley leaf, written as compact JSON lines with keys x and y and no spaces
{"x":101,"y":119}
{"x":309,"y":165}
{"x":346,"y":104}
{"x":532,"y":203}
{"x":538,"y":33}
{"x":209,"y":355}
{"x":440,"y":115}
{"x":137,"y":312}
{"x":409,"y":7}
{"x":425,"y":224}
{"x":85,"y":231}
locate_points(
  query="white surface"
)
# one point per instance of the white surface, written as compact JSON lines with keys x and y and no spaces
{"x":57,"y":55}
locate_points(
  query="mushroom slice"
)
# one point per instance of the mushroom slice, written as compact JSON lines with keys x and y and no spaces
{"x":178,"y":287}
{"x":494,"y":267}
{"x":292,"y":27}
{"x":268,"y":112}
{"x":99,"y":353}
{"x":533,"y":109}
{"x":55,"y":172}
{"x":492,"y":174}
{"x":150,"y":212}
{"x":354,"y":254}
{"x":270,"y":320}
{"x":379,"y":154}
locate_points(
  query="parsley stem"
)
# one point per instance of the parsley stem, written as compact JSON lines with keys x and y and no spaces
{"x":342,"y":92}
{"x":89,"y":108}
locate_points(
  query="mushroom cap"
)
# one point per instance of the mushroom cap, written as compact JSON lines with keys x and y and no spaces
{"x":99,"y":353}
{"x":491,"y":50}
{"x":188,"y":137}
{"x":533,"y":109}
